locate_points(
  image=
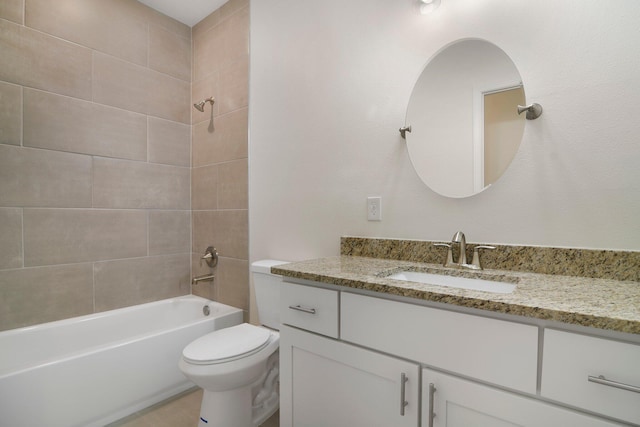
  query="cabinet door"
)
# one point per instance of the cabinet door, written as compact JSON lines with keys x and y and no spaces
{"x":328,"y":383}
{"x":572,"y":363}
{"x":462,"y":403}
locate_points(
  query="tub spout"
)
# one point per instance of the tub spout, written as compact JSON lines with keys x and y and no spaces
{"x":205,"y":278}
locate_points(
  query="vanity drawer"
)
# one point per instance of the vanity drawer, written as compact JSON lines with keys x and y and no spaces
{"x":310,"y":308}
{"x":570,"y":359}
{"x":491,"y":350}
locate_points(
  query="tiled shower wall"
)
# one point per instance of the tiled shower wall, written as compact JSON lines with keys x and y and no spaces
{"x":219,"y":152}
{"x":94,"y":158}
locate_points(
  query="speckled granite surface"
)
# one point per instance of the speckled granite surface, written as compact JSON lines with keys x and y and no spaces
{"x":592,"y":302}
{"x":617,"y":265}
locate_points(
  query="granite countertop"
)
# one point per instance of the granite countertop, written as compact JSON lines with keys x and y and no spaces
{"x":598,"y":303}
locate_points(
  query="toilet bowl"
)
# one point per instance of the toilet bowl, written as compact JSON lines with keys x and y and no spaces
{"x":237,"y":367}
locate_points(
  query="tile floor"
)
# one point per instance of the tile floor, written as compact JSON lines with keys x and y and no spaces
{"x":182,"y":410}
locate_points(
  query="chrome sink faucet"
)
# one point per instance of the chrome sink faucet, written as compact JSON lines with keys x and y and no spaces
{"x":460,"y":239}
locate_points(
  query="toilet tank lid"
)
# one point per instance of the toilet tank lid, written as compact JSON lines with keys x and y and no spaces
{"x":264,"y":266}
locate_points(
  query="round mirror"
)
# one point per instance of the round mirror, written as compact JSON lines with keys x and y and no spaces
{"x":465,"y":126}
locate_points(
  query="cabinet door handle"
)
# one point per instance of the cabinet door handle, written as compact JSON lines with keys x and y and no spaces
{"x":403,"y":402}
{"x":602,"y":380}
{"x":431,"y":415}
{"x":303,"y":309}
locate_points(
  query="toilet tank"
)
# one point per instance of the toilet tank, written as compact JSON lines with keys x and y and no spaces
{"x":267,"y":291}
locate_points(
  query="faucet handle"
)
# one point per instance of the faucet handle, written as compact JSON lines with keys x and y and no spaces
{"x":210,"y":256}
{"x":449,"y":258}
{"x":476,"y":255}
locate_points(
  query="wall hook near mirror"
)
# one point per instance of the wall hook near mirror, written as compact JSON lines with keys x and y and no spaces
{"x":533,"y":110}
{"x":403,"y":131}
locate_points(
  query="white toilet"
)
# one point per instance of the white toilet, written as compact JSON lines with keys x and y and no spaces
{"x":238,"y":366}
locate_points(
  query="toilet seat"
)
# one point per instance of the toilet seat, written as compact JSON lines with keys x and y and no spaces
{"x":226,"y":344}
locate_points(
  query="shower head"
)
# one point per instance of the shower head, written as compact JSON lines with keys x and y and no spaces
{"x":200,"y":105}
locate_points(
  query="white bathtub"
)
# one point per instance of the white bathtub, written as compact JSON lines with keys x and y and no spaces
{"x":95,"y":369}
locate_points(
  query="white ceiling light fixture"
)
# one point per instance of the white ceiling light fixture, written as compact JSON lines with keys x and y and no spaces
{"x":428,"y":6}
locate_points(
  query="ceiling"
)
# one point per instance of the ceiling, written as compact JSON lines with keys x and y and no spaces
{"x":188,"y":12}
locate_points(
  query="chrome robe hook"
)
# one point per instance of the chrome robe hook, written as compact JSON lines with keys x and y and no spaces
{"x":403,"y":131}
{"x":533,"y":111}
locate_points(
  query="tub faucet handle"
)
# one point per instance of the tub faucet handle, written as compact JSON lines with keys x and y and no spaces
{"x":210,"y":256}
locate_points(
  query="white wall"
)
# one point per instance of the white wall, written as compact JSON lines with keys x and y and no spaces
{"x":329,"y":85}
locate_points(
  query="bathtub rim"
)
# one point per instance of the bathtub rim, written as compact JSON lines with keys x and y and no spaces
{"x":112,"y":343}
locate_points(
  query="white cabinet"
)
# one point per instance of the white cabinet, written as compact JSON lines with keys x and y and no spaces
{"x":572,"y":365}
{"x":329,"y":383}
{"x":353,"y":360}
{"x":491,"y":350}
{"x":313,"y":309}
{"x":462,"y":403}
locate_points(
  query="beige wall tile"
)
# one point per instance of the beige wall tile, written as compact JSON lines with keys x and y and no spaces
{"x":234,"y":89}
{"x":208,"y":52}
{"x":204,"y":188}
{"x":202,"y":231}
{"x":10,"y":114}
{"x":237,"y":35}
{"x":13,"y":10}
{"x":232,"y":282}
{"x":169,"y":142}
{"x":169,"y":232}
{"x":233,"y":136}
{"x":135,"y":88}
{"x":221,"y":45}
{"x":126,"y":184}
{"x":32,"y":177}
{"x":10,"y":238}
{"x":61,"y":236}
{"x":105,"y":26}
{"x":169,"y":98}
{"x":227,"y":141}
{"x":36,"y":295}
{"x":34,"y":59}
{"x":233,"y":185}
{"x":123,"y":283}
{"x":231,"y":228}
{"x":119,"y":83}
{"x":67,"y":124}
{"x":169,"y":53}
{"x":232,"y":7}
{"x":203,"y":143}
{"x":226,"y":230}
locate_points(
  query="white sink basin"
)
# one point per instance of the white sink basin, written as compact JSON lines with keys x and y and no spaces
{"x":454,"y":282}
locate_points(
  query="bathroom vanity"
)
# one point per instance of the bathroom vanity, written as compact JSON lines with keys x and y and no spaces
{"x":359,"y":348}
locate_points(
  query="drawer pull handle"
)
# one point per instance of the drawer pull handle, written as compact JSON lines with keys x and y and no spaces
{"x":303,"y":309}
{"x":602,"y":380}
{"x":403,"y":402}
{"x":432,"y":415}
